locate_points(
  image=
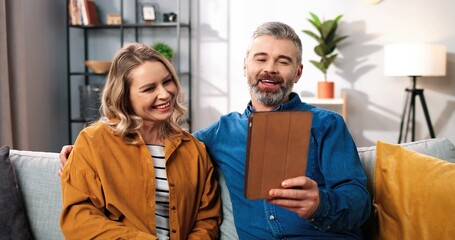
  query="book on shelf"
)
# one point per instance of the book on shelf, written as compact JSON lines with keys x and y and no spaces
{"x":92,"y":13}
{"x":72,"y":12}
{"x":82,"y":12}
{"x":277,"y":149}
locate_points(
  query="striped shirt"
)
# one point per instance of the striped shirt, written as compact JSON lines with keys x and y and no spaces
{"x":162,"y":191}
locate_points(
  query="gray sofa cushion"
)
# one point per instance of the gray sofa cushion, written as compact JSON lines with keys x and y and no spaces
{"x":37,"y":176}
{"x":13,"y":220}
{"x":228,"y":231}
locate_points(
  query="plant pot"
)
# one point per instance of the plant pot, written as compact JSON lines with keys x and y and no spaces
{"x":326,"y":89}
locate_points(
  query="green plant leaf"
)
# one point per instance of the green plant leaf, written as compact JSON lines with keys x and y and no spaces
{"x":316,"y":25}
{"x":319,"y":65}
{"x":321,"y":49}
{"x":313,"y":35}
{"x":164,"y":49}
{"x":328,"y":30}
{"x":337,"y":19}
{"x":338,"y":40}
{"x":316,"y":19}
{"x":327,"y":41}
{"x":328,"y":61}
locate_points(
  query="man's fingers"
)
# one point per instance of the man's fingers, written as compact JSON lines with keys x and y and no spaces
{"x":66,"y":150}
{"x":294,"y":194}
{"x":301,"y":182}
{"x":64,"y":153}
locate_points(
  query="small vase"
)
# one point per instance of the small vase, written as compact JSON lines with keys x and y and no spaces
{"x":326,"y":89}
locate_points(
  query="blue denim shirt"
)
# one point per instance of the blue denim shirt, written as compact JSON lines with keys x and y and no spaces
{"x":333,"y":162}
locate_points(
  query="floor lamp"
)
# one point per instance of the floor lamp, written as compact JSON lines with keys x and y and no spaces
{"x":414,"y":60}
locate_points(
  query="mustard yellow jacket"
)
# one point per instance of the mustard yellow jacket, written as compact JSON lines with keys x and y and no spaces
{"x":108,"y":189}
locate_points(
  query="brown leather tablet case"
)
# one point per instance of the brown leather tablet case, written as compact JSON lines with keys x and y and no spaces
{"x":277,"y":149}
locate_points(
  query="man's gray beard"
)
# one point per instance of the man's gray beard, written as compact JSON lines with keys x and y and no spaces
{"x":271,"y":98}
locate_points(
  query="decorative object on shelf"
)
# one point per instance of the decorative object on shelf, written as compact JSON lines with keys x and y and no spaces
{"x":148,"y":13}
{"x":89,"y":101}
{"x":99,"y":67}
{"x":327,"y":44}
{"x":114,"y":19}
{"x":164,"y":49}
{"x":326,"y":89}
{"x":170,"y":17}
{"x":414,"y":60}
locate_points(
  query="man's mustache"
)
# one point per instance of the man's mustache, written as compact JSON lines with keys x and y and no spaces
{"x":272,"y":77}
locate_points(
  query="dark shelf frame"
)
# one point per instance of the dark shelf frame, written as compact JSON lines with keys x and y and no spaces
{"x":136,"y":26}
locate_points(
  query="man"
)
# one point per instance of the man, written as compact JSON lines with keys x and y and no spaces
{"x":331,"y":201}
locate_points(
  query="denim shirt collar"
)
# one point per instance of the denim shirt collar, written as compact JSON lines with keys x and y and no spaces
{"x":294,"y":101}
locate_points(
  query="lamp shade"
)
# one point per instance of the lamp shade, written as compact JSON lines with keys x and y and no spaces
{"x":414,"y":59}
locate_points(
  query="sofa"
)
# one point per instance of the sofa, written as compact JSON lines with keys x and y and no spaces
{"x":39,"y":186}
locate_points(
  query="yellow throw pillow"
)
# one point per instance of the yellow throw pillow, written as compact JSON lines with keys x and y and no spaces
{"x":413,"y":194}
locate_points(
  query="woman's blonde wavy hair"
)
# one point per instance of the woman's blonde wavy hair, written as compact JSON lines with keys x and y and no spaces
{"x":116,"y":110}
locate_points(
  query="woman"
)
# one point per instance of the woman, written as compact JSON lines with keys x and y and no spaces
{"x":135,"y":174}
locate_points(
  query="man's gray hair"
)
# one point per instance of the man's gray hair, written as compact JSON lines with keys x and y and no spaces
{"x":279,"y":30}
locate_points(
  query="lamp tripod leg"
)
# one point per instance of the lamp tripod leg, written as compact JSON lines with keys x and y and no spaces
{"x":413,"y":107}
{"x":411,"y":116}
{"x":409,"y":110}
{"x":427,"y":115}
{"x":403,"y":116}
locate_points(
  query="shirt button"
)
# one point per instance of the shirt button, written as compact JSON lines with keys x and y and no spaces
{"x":171,"y":185}
{"x":173,"y":208}
{"x":271,"y":217}
{"x":174,"y":231}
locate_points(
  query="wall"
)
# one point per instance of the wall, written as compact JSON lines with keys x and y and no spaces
{"x":221,"y":30}
{"x":374,"y":101}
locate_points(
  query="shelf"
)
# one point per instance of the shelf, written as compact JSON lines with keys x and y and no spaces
{"x":158,"y":30}
{"x":324,"y":101}
{"x":87,"y":74}
{"x":333,"y":104}
{"x":80,"y":120}
{"x":132,"y":25}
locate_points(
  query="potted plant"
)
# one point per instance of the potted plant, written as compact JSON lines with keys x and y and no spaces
{"x":327,"y":43}
{"x":164,"y":49}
